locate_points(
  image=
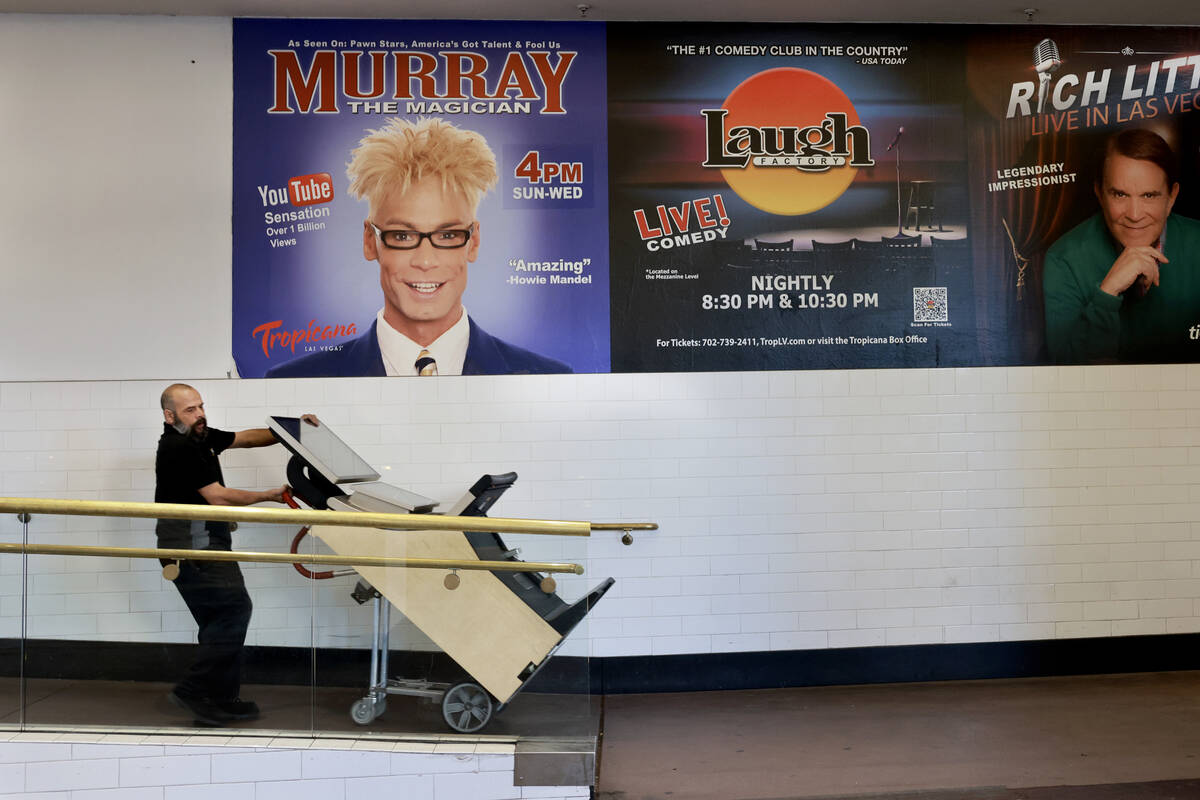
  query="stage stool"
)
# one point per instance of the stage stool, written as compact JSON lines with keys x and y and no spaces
{"x":921,"y":203}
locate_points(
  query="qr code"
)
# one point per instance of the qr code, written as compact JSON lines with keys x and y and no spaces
{"x":929,"y":304}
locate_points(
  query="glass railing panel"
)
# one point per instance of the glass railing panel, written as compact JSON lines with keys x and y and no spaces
{"x":109,"y":640}
{"x":103,"y":641}
{"x":559,"y":700}
{"x":88,"y":655}
{"x":279,"y":643}
{"x":12,"y":604}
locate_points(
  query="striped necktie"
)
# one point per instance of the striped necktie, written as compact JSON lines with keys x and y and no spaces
{"x":425,"y":364}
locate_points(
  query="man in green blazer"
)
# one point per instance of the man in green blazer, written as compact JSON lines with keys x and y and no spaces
{"x":1124,"y":285}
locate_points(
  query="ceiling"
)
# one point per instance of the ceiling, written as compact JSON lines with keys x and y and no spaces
{"x":1054,"y":12}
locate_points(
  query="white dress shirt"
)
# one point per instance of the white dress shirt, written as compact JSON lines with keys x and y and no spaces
{"x":400,"y":352}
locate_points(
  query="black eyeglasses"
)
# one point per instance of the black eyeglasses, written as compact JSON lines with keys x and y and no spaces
{"x":445,"y":239}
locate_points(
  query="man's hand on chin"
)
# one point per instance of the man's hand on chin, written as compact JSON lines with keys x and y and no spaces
{"x":1135,"y":265}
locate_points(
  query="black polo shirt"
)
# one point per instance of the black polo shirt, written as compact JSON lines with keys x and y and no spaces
{"x":182,"y":466}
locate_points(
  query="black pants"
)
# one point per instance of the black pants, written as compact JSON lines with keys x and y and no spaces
{"x":216,"y":595}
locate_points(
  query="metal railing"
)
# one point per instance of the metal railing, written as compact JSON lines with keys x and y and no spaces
{"x":25,"y":506}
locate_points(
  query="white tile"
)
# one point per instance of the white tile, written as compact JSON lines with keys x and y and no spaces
{"x":171,"y":742}
{"x":12,"y":777}
{"x":257,"y":766}
{"x":497,"y":762}
{"x":36,"y":735}
{"x":331,"y":789}
{"x":17,"y":751}
{"x":342,"y":764}
{"x":70,"y":775}
{"x":212,"y":742}
{"x":475,"y":785}
{"x":372,"y":745}
{"x":431,"y":763}
{"x":495,"y":748}
{"x":124,"y":793}
{"x":254,"y":741}
{"x":165,"y":770}
{"x":224,"y":791}
{"x":409,"y":787}
{"x":82,"y":750}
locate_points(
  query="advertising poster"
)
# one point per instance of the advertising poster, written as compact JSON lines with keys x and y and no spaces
{"x":336,"y":233}
{"x":789,"y":197}
{"x":1087,"y":246}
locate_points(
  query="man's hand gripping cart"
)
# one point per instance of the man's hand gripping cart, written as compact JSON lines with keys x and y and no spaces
{"x":501,"y":627}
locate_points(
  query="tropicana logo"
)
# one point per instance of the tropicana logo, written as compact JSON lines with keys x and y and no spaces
{"x":787,"y":140}
{"x":272,"y":336}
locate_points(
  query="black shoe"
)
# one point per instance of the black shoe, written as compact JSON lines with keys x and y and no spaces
{"x":206,"y":712}
{"x":237,"y":708}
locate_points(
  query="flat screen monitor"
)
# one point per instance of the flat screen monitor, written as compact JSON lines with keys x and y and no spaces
{"x":322,"y":449}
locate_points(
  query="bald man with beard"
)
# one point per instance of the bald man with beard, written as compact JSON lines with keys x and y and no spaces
{"x":187,"y":470}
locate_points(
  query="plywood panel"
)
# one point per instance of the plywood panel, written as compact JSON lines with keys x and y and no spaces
{"x":482,"y":625}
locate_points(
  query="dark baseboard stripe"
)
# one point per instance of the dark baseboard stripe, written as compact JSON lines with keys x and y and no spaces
{"x":897,"y":664}
{"x":48,"y":658}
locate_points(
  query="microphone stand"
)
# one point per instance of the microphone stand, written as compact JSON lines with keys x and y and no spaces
{"x":899,"y":225}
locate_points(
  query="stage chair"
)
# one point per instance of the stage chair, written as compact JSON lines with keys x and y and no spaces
{"x":949,"y":256}
{"x":773,"y":252}
{"x":832,"y":256}
{"x":732,"y":253}
{"x":866,"y":255}
{"x":890,"y":242}
{"x":907,"y":259}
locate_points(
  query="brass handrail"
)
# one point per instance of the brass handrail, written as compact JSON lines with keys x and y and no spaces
{"x":624,"y":526}
{"x":288,"y":558}
{"x":288,"y":516}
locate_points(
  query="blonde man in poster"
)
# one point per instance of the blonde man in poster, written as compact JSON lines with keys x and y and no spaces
{"x":423,"y":182}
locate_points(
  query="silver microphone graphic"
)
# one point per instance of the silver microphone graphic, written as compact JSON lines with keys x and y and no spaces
{"x":899,"y":132}
{"x":1045,"y":61}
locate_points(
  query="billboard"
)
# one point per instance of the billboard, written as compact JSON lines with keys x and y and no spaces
{"x":674,"y":197}
{"x":312,"y":280}
{"x":791,"y":197}
{"x":1046,"y":111}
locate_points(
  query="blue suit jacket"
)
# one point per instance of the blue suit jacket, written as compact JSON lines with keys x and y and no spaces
{"x":486,"y":355}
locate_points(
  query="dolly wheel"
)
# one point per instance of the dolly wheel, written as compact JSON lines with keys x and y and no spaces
{"x":467,"y":707}
{"x":363,"y":711}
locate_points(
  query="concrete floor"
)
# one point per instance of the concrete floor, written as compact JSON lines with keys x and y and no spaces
{"x":1111,"y":737}
{"x":1126,"y":737}
{"x":66,"y":703}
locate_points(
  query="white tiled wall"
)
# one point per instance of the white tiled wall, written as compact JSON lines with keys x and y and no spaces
{"x":88,"y":766}
{"x":797,"y":509}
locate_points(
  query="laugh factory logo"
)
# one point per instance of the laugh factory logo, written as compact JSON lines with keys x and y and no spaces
{"x":787,"y":140}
